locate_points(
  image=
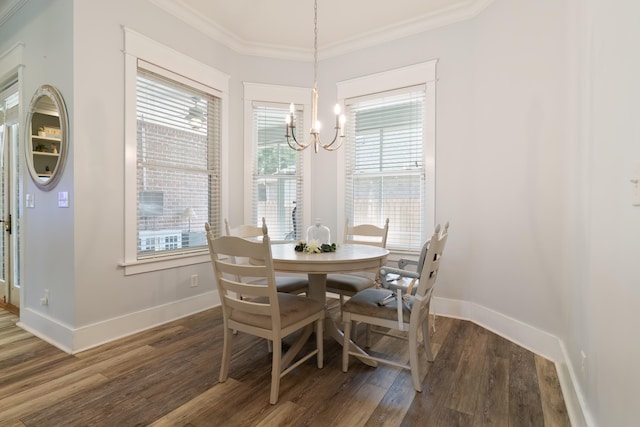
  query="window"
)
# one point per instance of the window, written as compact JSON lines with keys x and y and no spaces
{"x":175,"y":135}
{"x":388,"y":153}
{"x":178,"y":179}
{"x":276,"y":172}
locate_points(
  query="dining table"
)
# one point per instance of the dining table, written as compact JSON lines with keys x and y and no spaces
{"x":347,"y":258}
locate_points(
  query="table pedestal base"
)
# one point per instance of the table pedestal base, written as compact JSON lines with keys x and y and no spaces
{"x":318,"y":292}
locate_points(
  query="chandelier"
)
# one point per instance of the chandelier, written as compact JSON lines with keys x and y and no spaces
{"x":315,"y":124}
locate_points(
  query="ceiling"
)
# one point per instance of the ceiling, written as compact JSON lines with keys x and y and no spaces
{"x":284,"y":28}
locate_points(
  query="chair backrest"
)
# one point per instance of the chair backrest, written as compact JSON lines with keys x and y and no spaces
{"x":246,"y":232}
{"x":229,"y":275}
{"x":430,"y":260}
{"x":243,"y":230}
{"x":366,"y":234}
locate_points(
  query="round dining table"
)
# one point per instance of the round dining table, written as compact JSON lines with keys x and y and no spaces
{"x":347,"y":258}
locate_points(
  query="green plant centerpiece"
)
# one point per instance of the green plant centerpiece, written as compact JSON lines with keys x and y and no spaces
{"x":315,"y":247}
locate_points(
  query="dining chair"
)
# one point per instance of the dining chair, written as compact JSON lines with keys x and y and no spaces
{"x":401,"y":305}
{"x":263,"y":311}
{"x":351,"y":284}
{"x":289,"y":284}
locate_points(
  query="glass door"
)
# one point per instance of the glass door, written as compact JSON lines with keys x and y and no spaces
{"x":9,"y":285}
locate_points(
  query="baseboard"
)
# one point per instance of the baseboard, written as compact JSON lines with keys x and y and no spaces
{"x":83,"y":338}
{"x":529,"y":337}
{"x":47,"y":329}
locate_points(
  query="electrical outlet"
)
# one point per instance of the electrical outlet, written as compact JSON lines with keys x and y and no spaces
{"x":194,"y":280}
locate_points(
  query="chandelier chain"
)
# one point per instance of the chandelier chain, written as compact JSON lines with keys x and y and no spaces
{"x":315,"y":44}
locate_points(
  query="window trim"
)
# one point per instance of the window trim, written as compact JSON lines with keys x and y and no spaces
{"x":140,"y":47}
{"x":260,"y":92}
{"x":422,"y":73}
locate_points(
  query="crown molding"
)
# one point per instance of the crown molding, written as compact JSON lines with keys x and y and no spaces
{"x":10,"y":7}
{"x":439,"y":18}
{"x":220,"y":34}
{"x":420,"y":24}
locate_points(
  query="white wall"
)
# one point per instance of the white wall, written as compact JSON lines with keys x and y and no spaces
{"x":605,"y":293}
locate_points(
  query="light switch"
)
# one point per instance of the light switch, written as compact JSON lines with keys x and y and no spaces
{"x":63,"y":199}
{"x":30,"y":201}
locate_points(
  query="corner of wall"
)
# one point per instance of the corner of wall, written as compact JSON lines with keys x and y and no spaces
{"x":47,"y":329}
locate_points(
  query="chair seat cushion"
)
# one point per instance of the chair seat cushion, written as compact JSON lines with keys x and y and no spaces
{"x":293,"y":308}
{"x":366,"y":303}
{"x":288,"y":284}
{"x":348,"y":284}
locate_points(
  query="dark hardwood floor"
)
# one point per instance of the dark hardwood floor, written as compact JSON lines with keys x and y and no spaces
{"x":168,"y":376}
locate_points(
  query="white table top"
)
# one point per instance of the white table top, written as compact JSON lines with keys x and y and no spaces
{"x":346,"y":258}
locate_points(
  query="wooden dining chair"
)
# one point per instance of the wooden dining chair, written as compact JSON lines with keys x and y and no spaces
{"x":263,"y":311}
{"x":290,"y":284}
{"x":351,"y":284}
{"x":403,"y":306}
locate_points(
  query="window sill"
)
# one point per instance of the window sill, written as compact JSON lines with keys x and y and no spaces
{"x":147,"y":265}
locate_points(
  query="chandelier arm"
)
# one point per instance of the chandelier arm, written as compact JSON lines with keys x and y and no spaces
{"x":329,"y":147}
{"x":299,"y":146}
{"x":293,"y":134}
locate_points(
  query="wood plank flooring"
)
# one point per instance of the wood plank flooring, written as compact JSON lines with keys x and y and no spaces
{"x":168,"y":376}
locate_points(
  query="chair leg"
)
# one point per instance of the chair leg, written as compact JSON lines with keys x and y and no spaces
{"x":345,"y":343}
{"x":276,"y":369}
{"x":226,"y":354}
{"x":414,"y":361}
{"x":426,"y":341}
{"x":354,"y":331}
{"x":320,"y":342}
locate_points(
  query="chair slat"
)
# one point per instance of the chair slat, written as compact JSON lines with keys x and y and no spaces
{"x":246,"y":289}
{"x":243,"y":270}
{"x":247,"y":306}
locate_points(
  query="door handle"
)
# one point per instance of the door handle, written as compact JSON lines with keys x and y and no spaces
{"x":7,"y":224}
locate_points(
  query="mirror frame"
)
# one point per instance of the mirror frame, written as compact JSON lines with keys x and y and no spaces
{"x":56,"y":98}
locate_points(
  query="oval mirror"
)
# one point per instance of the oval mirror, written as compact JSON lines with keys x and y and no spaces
{"x":47,"y":133}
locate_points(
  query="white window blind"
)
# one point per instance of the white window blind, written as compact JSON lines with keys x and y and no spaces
{"x":178,"y":152}
{"x":277,"y":172}
{"x":385,"y":164}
